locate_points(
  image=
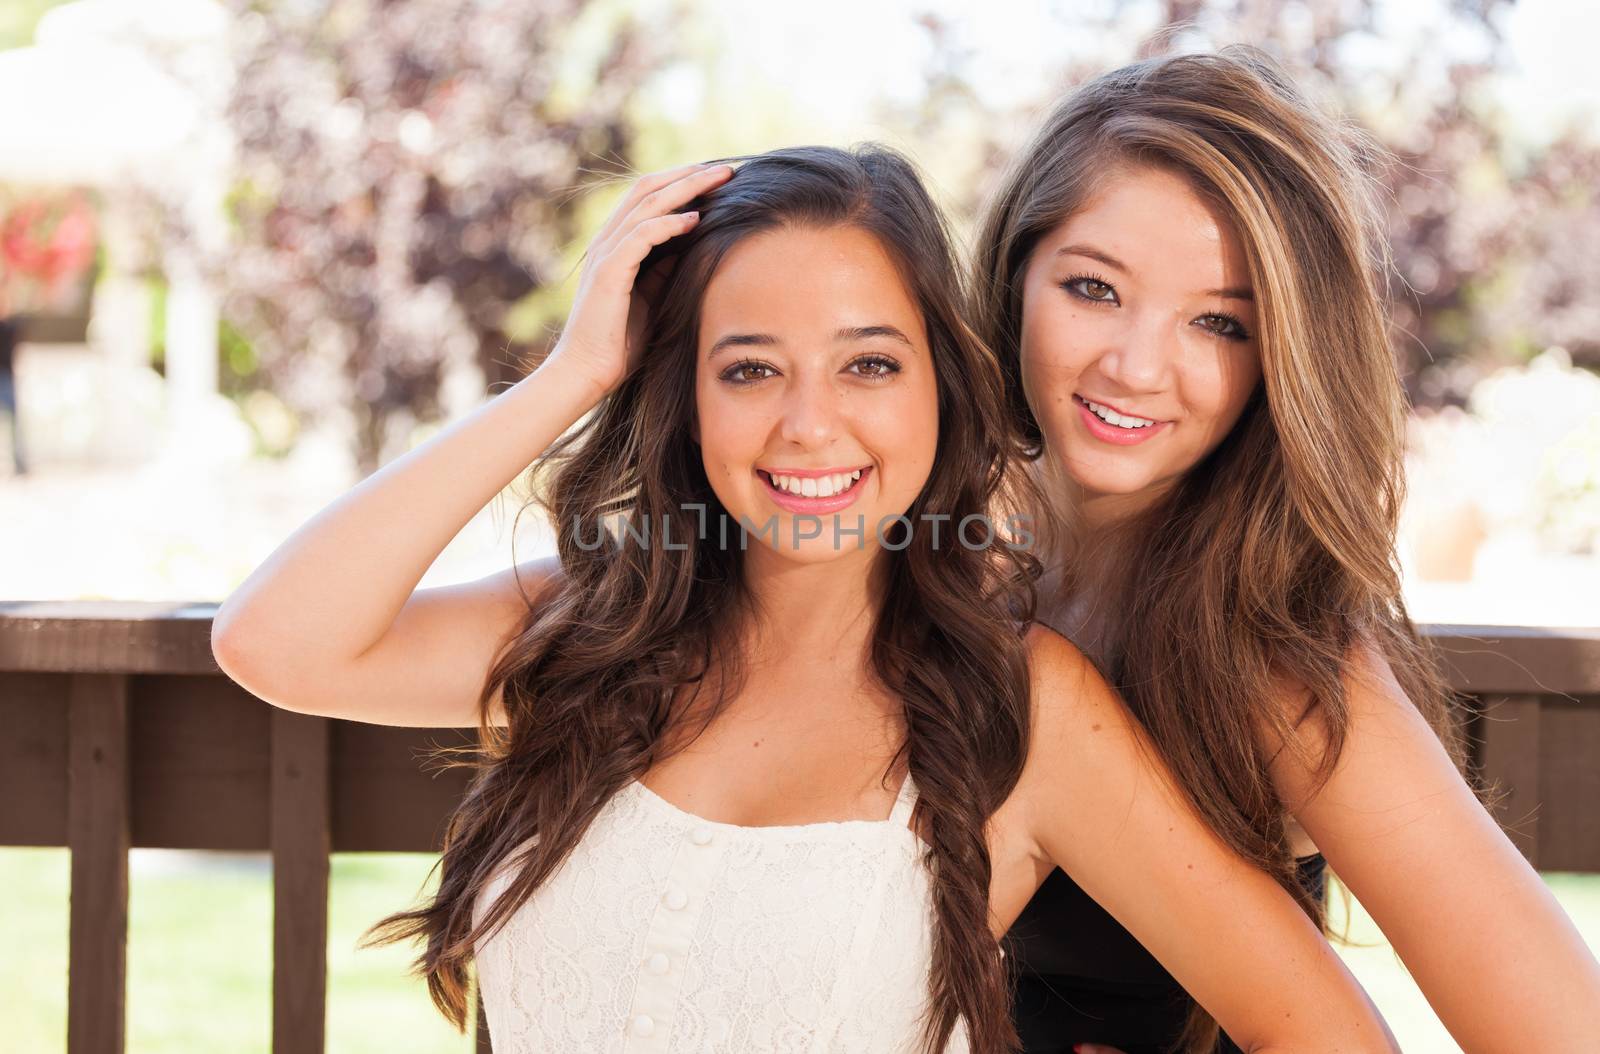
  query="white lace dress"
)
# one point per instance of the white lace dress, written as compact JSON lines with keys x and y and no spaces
{"x":663,"y":932}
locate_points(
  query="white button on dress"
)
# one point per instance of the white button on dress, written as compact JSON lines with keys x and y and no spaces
{"x":664,"y":933}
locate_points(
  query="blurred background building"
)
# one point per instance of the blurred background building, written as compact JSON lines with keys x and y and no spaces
{"x":251,"y":251}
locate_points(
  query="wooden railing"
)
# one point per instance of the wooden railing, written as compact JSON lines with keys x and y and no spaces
{"x":117,"y":730}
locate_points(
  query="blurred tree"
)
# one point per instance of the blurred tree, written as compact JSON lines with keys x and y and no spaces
{"x":1495,"y":243}
{"x":407,"y":171}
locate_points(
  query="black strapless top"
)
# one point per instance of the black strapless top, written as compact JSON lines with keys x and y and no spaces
{"x":1082,"y":978}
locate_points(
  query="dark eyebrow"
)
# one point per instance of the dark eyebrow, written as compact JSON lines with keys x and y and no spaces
{"x":1094,"y":254}
{"x":868,"y":332}
{"x":743,"y":340}
{"x":1230,"y":293}
{"x":765,"y":340}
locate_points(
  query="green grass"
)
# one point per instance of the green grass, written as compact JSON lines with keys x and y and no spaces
{"x":200,"y":957}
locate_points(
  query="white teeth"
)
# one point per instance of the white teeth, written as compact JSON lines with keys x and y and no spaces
{"x":1111,"y":417}
{"x":816,"y":486}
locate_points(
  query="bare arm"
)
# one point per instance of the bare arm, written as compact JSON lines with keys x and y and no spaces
{"x":1105,"y":810}
{"x":1488,"y":944}
{"x":332,"y":622}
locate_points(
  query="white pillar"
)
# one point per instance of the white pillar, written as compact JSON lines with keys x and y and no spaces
{"x":193,"y":314}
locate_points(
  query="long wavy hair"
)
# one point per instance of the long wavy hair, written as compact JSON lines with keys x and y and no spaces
{"x":597,"y":682}
{"x":1274,"y":556}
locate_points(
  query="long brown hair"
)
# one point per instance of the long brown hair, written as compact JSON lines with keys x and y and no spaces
{"x":592,"y":682}
{"x":1274,"y":556}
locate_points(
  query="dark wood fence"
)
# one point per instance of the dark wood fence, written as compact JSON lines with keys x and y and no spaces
{"x":117,"y":730}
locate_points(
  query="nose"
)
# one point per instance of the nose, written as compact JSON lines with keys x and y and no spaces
{"x":1142,"y":358}
{"x":811,"y":413}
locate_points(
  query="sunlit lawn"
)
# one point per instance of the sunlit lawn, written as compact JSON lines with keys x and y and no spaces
{"x":200,"y":954}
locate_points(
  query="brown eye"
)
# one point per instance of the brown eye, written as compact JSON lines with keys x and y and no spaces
{"x":876,"y":366}
{"x":1224,"y":326}
{"x":1087,"y":287}
{"x":747,"y":371}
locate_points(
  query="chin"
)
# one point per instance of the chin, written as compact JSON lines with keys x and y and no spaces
{"x":814,"y":551}
{"x":1103,"y":479}
{"x":826,"y":546}
{"x":809,"y":549}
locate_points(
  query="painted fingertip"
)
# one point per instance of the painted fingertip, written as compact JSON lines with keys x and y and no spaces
{"x":691,"y":216}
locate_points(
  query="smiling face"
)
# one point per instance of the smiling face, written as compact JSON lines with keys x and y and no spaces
{"x":815,"y":393}
{"x":1138,"y":335}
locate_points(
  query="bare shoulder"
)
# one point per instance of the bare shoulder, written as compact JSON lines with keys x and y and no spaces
{"x":1370,"y":690}
{"x":1377,"y":721}
{"x":1068,"y":691}
{"x":1054,"y":662}
{"x":1082,"y":731}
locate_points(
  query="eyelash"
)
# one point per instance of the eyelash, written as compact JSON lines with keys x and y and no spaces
{"x":890,"y":366}
{"x":731,"y":374}
{"x":1070,"y":285}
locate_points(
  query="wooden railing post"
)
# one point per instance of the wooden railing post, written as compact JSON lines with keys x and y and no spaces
{"x":1511,"y":755}
{"x":300,"y":838}
{"x":98,"y":835}
{"x":204,"y":773}
{"x":481,"y":1044}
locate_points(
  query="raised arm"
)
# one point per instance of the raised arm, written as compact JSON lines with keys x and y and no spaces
{"x":332,"y":622}
{"x":1488,"y":944}
{"x":1103,"y":808}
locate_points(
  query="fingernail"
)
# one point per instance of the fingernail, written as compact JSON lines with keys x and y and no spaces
{"x":691,"y":215}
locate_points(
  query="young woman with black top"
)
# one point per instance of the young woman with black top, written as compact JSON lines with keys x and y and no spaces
{"x":1183,"y":275}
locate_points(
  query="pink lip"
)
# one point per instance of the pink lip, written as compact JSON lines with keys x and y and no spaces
{"x":810,"y":473}
{"x":814,"y":506}
{"x":1111,"y":433}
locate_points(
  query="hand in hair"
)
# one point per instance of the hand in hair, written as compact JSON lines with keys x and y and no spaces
{"x":605,"y":329}
{"x":333,"y":624}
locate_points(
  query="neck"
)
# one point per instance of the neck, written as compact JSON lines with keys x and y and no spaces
{"x":1091,"y":540}
{"x":1083,"y":515}
{"x":812,"y":612}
